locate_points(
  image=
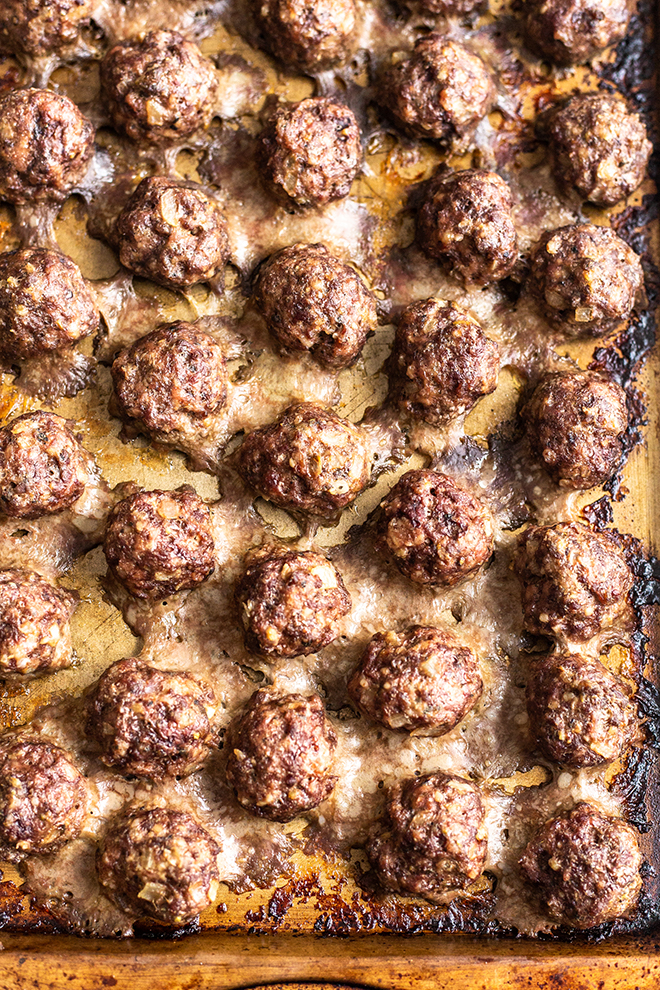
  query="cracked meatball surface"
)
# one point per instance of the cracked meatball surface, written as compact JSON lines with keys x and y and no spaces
{"x":35,"y":635}
{"x":570,"y":32}
{"x":37,"y":27}
{"x":307,"y":35}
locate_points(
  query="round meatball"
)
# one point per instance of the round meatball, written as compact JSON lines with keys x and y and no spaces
{"x":310,"y":152}
{"x":43,"y":468}
{"x":311,"y":301}
{"x":582,"y":714}
{"x":158,"y":543}
{"x":441,"y":91}
{"x":290,"y":603}
{"x":159,"y":863}
{"x":171,"y":232}
{"x":433,"y":836}
{"x":576,"y":424}
{"x":570,"y":32}
{"x":35,"y":635}
{"x":43,"y":796}
{"x":421,"y":680}
{"x":45,"y":146}
{"x":280,"y":755}
{"x":441,"y":362}
{"x":309,"y":461}
{"x":158,"y":89}
{"x":435,"y":531}
{"x":307,"y":36}
{"x":598,"y":148}
{"x":38,"y":27}
{"x":466,"y":222}
{"x":584,"y":866}
{"x":575,"y":583}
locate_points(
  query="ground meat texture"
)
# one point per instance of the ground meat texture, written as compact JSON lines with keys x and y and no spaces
{"x":280,"y":755}
{"x":311,"y":301}
{"x":435,"y":531}
{"x":585,"y":279}
{"x":160,"y":89}
{"x":290,"y":603}
{"x":307,"y":36}
{"x":421,"y":680}
{"x":441,"y":362}
{"x":432,"y":837}
{"x":466,"y":222}
{"x":37,"y":27}
{"x":310,"y":461}
{"x":35,"y":636}
{"x":570,"y":32}
{"x":158,"y":543}
{"x":447,"y":8}
{"x":576,"y":424}
{"x":441,"y":91}
{"x":310,"y":152}
{"x":584,"y":867}
{"x":45,"y":146}
{"x":159,"y":863}
{"x":43,"y":468}
{"x":575,"y":583}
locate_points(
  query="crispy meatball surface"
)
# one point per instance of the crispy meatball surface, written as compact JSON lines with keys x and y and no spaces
{"x":304,"y":35}
{"x":311,"y":301}
{"x":37,"y":27}
{"x":441,"y":362}
{"x":310,"y":152}
{"x":421,"y":680}
{"x":290,"y":602}
{"x":280,"y":755}
{"x":435,"y":531}
{"x":584,"y":866}
{"x":35,"y":635}
{"x":570,"y":32}
{"x":158,"y":543}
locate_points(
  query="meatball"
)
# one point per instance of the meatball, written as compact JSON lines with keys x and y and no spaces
{"x":171,"y":232}
{"x":582,"y":714}
{"x":584,"y":866}
{"x":35,"y":636}
{"x":570,"y":32}
{"x":441,"y":362}
{"x":433,"y":836}
{"x":290,"y":603}
{"x":307,"y":36}
{"x":466,"y":222}
{"x":598,"y":148}
{"x":310,"y":152}
{"x":435,"y":531}
{"x":38,"y":27}
{"x":441,"y":91}
{"x":446,"y":8}
{"x":43,"y":796}
{"x":43,"y":468}
{"x":576,"y":423}
{"x":311,"y":301}
{"x":159,"y":863}
{"x":158,"y":89}
{"x":45,"y":146}
{"x":575,"y":583}
{"x":309,"y":461}
{"x":280,"y":755}
{"x":422,"y":680}
{"x":158,"y":543}
{"x":585,"y":279}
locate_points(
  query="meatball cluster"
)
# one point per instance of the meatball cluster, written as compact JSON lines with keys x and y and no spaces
{"x":35,"y":635}
{"x":38,"y":27}
{"x":307,"y":36}
{"x":570,"y":32}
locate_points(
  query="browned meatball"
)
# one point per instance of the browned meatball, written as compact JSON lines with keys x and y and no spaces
{"x":35,"y":636}
{"x":585,"y":279}
{"x":442,"y":362}
{"x":435,"y":531}
{"x":290,"y":602}
{"x":158,"y":543}
{"x":310,"y":151}
{"x":43,"y":796}
{"x":598,"y":148}
{"x":575,"y":583}
{"x":432,"y":838}
{"x":158,"y":89}
{"x":447,"y":8}
{"x":576,"y":422}
{"x":569,"y":32}
{"x":422,"y":680}
{"x":584,"y":866}
{"x":43,"y":468}
{"x":309,"y":461}
{"x":280,"y":755}
{"x":37,"y":27}
{"x":466,"y":222}
{"x":45,"y":146}
{"x":582,"y":715}
{"x":307,"y":34}
{"x":159,"y":863}
{"x":313,"y":302}
{"x":441,"y":91}
{"x":172,"y":233}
